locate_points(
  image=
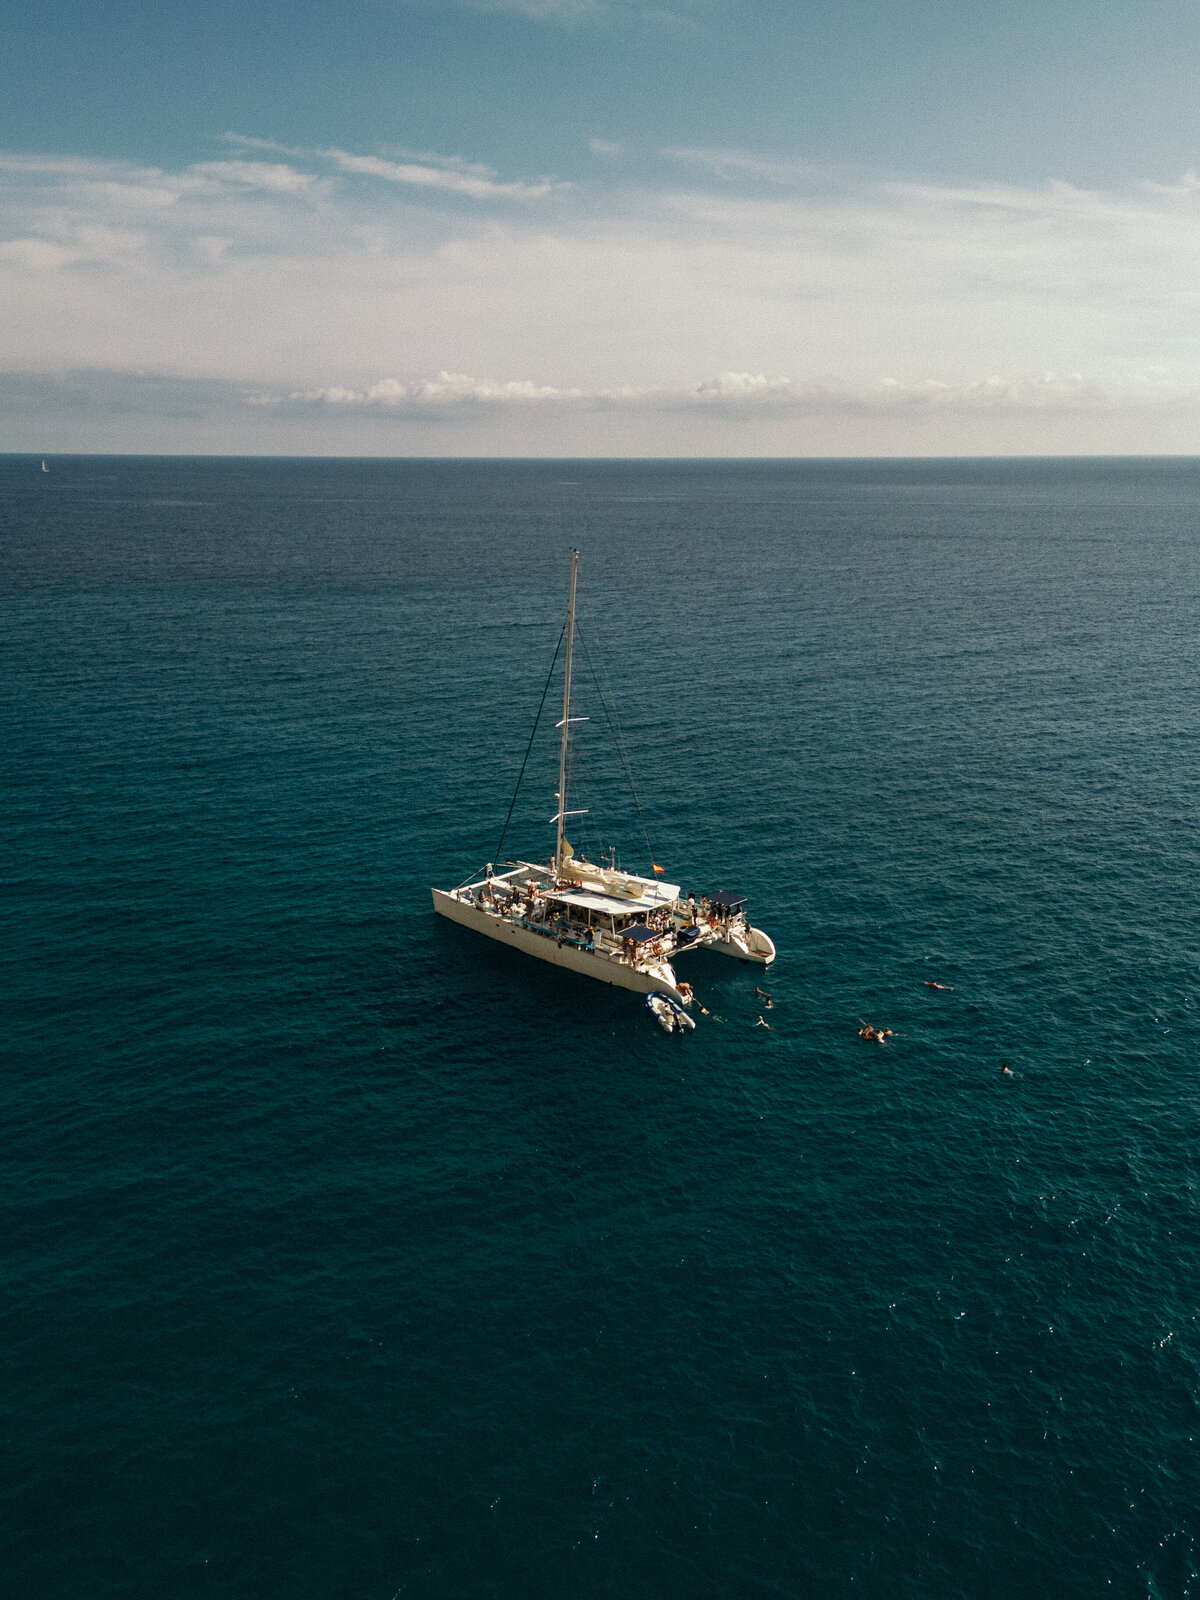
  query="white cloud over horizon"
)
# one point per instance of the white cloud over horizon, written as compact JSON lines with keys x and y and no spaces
{"x":733,"y":394}
{"x":326,"y":284}
{"x":748,"y":393}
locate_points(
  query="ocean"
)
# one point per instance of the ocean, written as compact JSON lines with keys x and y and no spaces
{"x":349,"y":1256}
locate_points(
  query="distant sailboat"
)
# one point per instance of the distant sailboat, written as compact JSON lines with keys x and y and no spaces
{"x":45,"y":468}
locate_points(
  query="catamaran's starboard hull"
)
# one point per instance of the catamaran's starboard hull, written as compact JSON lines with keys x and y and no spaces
{"x":756,"y":946}
{"x":642,"y":979}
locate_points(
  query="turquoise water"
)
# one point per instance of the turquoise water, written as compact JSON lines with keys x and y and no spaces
{"x":349,"y":1255}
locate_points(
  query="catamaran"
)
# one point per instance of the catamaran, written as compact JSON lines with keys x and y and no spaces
{"x":600,"y":921}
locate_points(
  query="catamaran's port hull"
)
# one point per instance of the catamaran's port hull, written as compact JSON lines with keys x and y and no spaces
{"x":642,"y":979}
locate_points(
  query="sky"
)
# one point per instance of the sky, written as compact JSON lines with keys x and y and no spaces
{"x":600,"y":227}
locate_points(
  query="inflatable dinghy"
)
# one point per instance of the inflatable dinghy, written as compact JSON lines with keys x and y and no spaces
{"x":660,"y":1008}
{"x":682,"y":1020}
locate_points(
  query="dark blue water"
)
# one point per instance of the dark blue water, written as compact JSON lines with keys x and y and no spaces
{"x":348,"y":1255}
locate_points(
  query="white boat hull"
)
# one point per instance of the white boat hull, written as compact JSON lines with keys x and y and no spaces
{"x":754,"y":946}
{"x":640,"y":976}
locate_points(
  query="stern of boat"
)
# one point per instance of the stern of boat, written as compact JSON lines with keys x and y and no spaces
{"x":746,"y":944}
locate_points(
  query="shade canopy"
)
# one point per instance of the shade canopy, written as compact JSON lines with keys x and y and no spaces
{"x":730,"y":901}
{"x":653,"y":897}
{"x":638,"y":933}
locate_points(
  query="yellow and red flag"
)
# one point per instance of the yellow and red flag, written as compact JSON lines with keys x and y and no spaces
{"x":656,"y":867}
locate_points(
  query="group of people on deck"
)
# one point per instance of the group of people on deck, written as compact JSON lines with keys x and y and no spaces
{"x":504,"y":898}
{"x":705,"y":912}
{"x":532,"y":904}
{"x":508,"y":899}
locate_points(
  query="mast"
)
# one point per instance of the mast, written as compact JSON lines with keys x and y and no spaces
{"x":566,"y":721}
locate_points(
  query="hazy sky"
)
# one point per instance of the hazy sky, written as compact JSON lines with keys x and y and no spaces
{"x":544,"y":227}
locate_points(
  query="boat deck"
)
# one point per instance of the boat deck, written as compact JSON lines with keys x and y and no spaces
{"x":643,"y":926}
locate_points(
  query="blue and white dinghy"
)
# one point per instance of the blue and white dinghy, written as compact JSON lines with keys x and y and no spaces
{"x":661,"y":1009}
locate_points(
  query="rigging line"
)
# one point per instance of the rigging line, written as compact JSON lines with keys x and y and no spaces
{"x":609,"y":705}
{"x":529,"y":746}
{"x":469,"y":876}
{"x":612,"y":698}
{"x":616,"y":732}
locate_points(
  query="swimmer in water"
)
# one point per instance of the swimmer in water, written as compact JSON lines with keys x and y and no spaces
{"x":763,"y":1023}
{"x":929,"y":984}
{"x":1006,"y":1070}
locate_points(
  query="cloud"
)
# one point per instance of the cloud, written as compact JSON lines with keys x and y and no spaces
{"x":83,"y":393}
{"x":37,"y":256}
{"x":273,"y":175}
{"x":744,"y":388}
{"x":731,"y":415}
{"x":271,"y":146}
{"x":343,"y":290}
{"x":746,"y":395}
{"x":82,"y":181}
{"x":447,"y":390}
{"x":478,"y":182}
{"x":733,"y":165}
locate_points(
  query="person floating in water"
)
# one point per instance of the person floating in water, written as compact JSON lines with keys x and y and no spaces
{"x":930,"y":984}
{"x":878,"y":1035}
{"x":1006,"y":1070}
{"x":763,"y":1023}
{"x":765,"y":998}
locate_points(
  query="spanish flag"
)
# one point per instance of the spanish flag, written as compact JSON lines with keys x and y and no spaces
{"x":656,"y":867}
